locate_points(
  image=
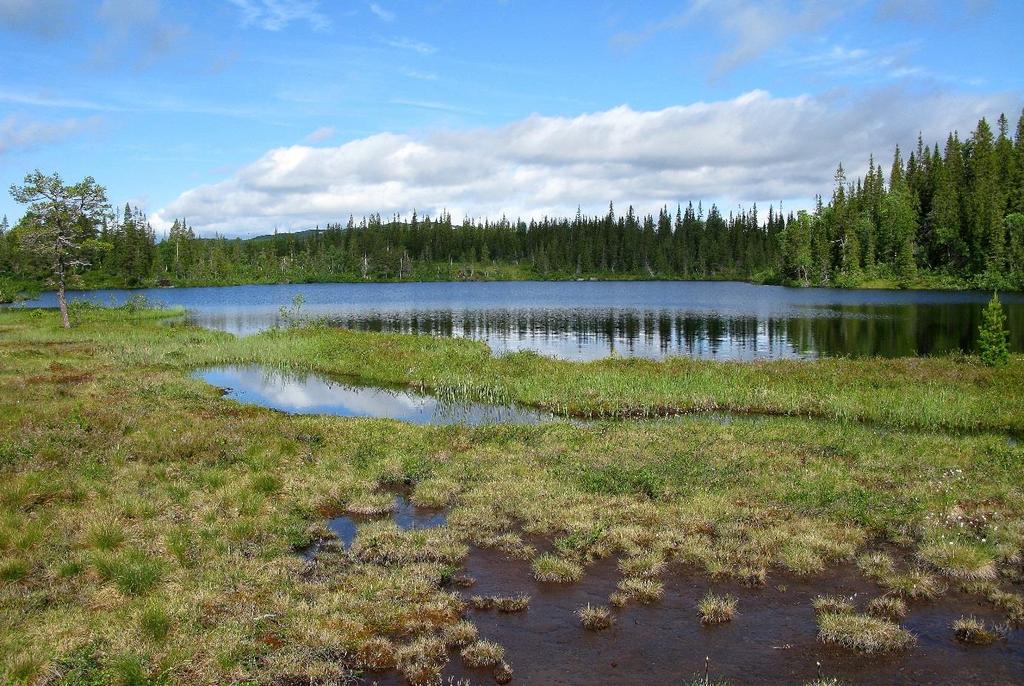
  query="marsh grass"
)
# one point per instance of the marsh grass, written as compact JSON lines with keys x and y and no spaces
{"x":833,"y":604}
{"x":460,"y":634}
{"x":157,"y":522}
{"x":511,"y":603}
{"x":595,"y":618}
{"x":483,"y":654}
{"x":717,"y":609}
{"x":422,"y":661}
{"x":959,"y":559}
{"x":553,"y":569}
{"x":974,"y":631}
{"x":914,"y":584}
{"x":887,"y":607}
{"x":640,"y":589}
{"x":863,"y":633}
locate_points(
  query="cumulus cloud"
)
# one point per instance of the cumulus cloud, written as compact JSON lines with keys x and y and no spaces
{"x":17,"y":133}
{"x":753,"y":148}
{"x":274,"y":15}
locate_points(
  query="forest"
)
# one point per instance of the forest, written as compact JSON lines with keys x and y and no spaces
{"x":937,"y":217}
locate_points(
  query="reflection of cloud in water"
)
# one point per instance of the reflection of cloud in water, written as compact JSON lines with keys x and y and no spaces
{"x":310,"y":394}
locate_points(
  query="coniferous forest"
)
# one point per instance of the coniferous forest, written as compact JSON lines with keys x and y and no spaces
{"x":949,"y":215}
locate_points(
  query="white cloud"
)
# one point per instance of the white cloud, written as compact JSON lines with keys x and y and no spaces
{"x":17,"y":133}
{"x":322,"y":134}
{"x":755,"y":147}
{"x":410,"y":44}
{"x":274,"y":15}
{"x":381,"y":13}
{"x":751,"y":28}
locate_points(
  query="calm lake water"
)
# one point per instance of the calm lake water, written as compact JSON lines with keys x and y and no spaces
{"x":312,"y":394}
{"x":589,"y":320}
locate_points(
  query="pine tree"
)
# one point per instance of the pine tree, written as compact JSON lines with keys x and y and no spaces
{"x":993,"y":337}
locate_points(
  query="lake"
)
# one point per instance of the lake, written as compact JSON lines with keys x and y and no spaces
{"x":590,"y":320}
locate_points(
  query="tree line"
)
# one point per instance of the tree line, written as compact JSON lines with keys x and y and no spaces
{"x":939,"y":216}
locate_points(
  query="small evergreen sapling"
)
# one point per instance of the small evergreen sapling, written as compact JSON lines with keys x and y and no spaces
{"x":993,"y":338}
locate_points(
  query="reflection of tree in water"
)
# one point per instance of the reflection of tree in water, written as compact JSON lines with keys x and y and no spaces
{"x":854,"y":330}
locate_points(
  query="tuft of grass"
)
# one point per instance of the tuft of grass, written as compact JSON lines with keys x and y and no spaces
{"x":422,"y":661}
{"x":376,"y":654}
{"x":833,"y":604}
{"x":482,"y":602}
{"x":134,"y":572}
{"x":371,"y":504}
{"x":914,"y":584}
{"x":645,"y":566}
{"x":266,"y":484}
{"x":641,"y":590}
{"x":435,"y":492}
{"x":511,"y":603}
{"x":717,"y":609}
{"x":876,"y":565}
{"x":973,"y":630}
{"x":502,"y":673}
{"x":959,"y":560}
{"x":483,"y":654}
{"x":595,"y":618}
{"x":887,"y":607}
{"x":155,"y":621}
{"x":862,"y":633}
{"x":459,"y":635}
{"x":554,"y":569}
{"x":13,"y":569}
{"x":105,"y":535}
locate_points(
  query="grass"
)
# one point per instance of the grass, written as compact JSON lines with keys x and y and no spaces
{"x":717,"y":609}
{"x":863,"y":633}
{"x":833,"y":604}
{"x":483,"y":654}
{"x":554,"y":569}
{"x":595,"y":618}
{"x":973,"y":630}
{"x":887,"y":607}
{"x":148,"y":526}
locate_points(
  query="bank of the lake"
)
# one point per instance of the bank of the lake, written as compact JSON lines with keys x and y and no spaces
{"x":150,"y":528}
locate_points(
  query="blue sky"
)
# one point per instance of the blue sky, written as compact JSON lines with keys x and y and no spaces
{"x":246,"y":115}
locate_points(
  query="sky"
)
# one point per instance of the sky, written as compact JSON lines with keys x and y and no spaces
{"x":246,"y":116}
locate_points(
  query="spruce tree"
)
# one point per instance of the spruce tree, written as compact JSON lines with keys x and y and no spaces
{"x":993,"y":337}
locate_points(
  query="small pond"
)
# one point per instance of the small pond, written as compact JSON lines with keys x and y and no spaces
{"x":312,"y":394}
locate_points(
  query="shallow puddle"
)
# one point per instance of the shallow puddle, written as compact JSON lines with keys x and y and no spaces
{"x":404,"y":514}
{"x":772,"y":640}
{"x":312,"y":394}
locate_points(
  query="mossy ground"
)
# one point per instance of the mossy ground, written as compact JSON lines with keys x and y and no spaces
{"x":148,"y":526}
